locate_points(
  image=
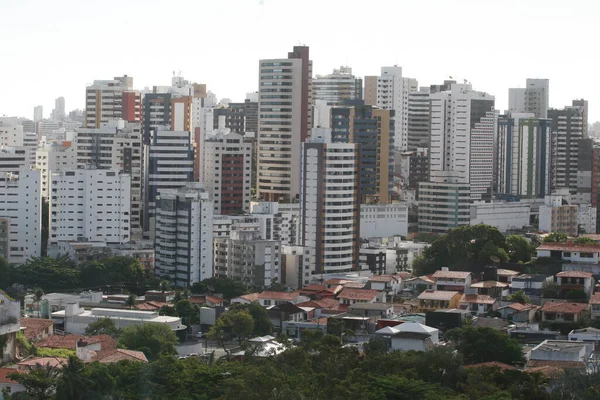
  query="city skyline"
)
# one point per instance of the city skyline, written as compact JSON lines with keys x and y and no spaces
{"x":208,"y":51}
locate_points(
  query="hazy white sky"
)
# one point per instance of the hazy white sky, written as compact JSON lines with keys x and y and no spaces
{"x":55,"y":48}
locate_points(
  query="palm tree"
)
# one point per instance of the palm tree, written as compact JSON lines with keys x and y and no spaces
{"x":72,"y":384}
{"x":130,"y":302}
{"x":164,"y":286}
{"x":38,"y":293}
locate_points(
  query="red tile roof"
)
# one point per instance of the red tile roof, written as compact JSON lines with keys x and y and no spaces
{"x":150,"y":305}
{"x":451,"y":274}
{"x":70,"y":341}
{"x":206,"y":299}
{"x":423,"y":278}
{"x":251,"y":297}
{"x":595,"y":299}
{"x":355,"y":285}
{"x":566,"y":308}
{"x":313,"y":288}
{"x":382,"y":278}
{"x":570,"y":246}
{"x":492,"y":364}
{"x":575,"y":274}
{"x":437,"y":295}
{"x":35,"y":326}
{"x":278,"y":295}
{"x":3,"y":375}
{"x":404,"y":275}
{"x":336,"y":281}
{"x":358,"y":294}
{"x":477,"y":299}
{"x":559,"y":364}
{"x":520,"y":306}
{"x":115,"y":355}
{"x":50,"y":361}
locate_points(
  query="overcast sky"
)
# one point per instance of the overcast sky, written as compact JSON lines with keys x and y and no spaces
{"x":55,"y":48}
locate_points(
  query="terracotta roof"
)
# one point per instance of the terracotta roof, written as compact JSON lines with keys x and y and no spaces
{"x":358,"y":294}
{"x":489,"y":284}
{"x":520,"y":306}
{"x":424,"y":278}
{"x":278,"y":295}
{"x":506,"y":272}
{"x":116,"y":355}
{"x":575,"y":274}
{"x":382,"y":278}
{"x":437,"y":295}
{"x":150,"y":305}
{"x":70,"y":341}
{"x":451,"y":274}
{"x":50,"y":361}
{"x":595,"y":299}
{"x":251,"y":297}
{"x":336,"y":281}
{"x":204,"y":299}
{"x":3,"y":375}
{"x":559,"y":364}
{"x":309,"y":303}
{"x":404,"y":275}
{"x":313,"y":288}
{"x":566,"y":308}
{"x":477,"y":299}
{"x":328,"y":304}
{"x":355,"y":285}
{"x":35,"y":326}
{"x":570,"y":246}
{"x":492,"y":364}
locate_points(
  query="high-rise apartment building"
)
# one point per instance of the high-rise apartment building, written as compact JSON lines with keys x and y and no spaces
{"x":582,"y":105}
{"x":157,"y":113}
{"x":462,"y":136}
{"x":13,"y":135}
{"x":227,"y":172}
{"x":12,"y":159}
{"x":20,"y":216}
{"x":116,"y":145}
{"x":337,"y":87}
{"x":567,"y":130}
{"x":89,"y":204}
{"x":444,"y":202}
{"x":417,"y":133}
{"x":169,"y":164}
{"x":38,"y":113}
{"x":389,"y":91}
{"x":373,"y":130}
{"x":58,"y":113}
{"x":239,"y":117}
{"x":54,"y":158}
{"x":523,"y":155}
{"x":106,"y":100}
{"x":534,"y":98}
{"x":330,"y":207}
{"x":284,"y":123}
{"x":183,"y":235}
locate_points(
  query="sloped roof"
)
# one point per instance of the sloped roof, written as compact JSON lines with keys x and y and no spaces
{"x":50,"y":361}
{"x":489,"y":284}
{"x":574,"y":274}
{"x":116,"y":355}
{"x":3,"y":375}
{"x":251,"y":297}
{"x":595,"y":298}
{"x":589,"y":329}
{"x":477,"y":299}
{"x":278,"y":295}
{"x":382,"y":278}
{"x":356,"y":285}
{"x":415,"y":327}
{"x":70,"y":341}
{"x":565,"y":308}
{"x":492,"y":364}
{"x":424,"y":278}
{"x":519,"y":306}
{"x":150,"y":305}
{"x":506,"y":272}
{"x":437,"y":295}
{"x":388,"y":330}
{"x":451,"y":274}
{"x":358,"y":294}
{"x":34,"y":326}
{"x":570,"y":246}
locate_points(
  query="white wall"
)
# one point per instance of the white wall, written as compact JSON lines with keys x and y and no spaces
{"x":383,"y":220}
{"x":503,"y":216}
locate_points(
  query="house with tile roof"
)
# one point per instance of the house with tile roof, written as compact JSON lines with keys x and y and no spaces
{"x":57,"y":362}
{"x":37,"y":328}
{"x":88,"y":352}
{"x":452,"y":280}
{"x":491,"y":288}
{"x":7,"y":384}
{"x":576,"y":280}
{"x":431,"y":300}
{"x":352,"y":296}
{"x":518,"y":312}
{"x":245,"y":299}
{"x":570,"y":252}
{"x":391,"y":284}
{"x":594,"y":306}
{"x":506,"y":275}
{"x":69,"y":342}
{"x":530,"y":284}
{"x":559,"y":312}
{"x":478,"y":304}
{"x":268,"y":298}
{"x":410,"y":336}
{"x":425,"y":282}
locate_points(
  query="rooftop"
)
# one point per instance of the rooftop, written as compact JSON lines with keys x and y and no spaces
{"x":437,"y":295}
{"x":494,"y":323}
{"x":506,"y":272}
{"x":570,"y":246}
{"x":424,"y":278}
{"x":492,"y":364}
{"x":49,"y":361}
{"x":451,"y":274}
{"x":289,"y":296}
{"x":489,"y":284}
{"x":595,"y":299}
{"x":116,"y":355}
{"x":3,"y":375}
{"x":382,"y":278}
{"x":34,"y":326}
{"x":575,"y":274}
{"x":70,"y":341}
{"x":358,"y":294}
{"x":531,"y":277}
{"x":565,"y":308}
{"x":371,"y":306}
{"x":477,"y":299}
{"x":251,"y":297}
{"x":519,"y":306}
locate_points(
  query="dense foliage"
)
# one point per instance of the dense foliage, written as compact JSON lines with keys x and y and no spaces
{"x":228,"y":288}
{"x":153,"y":339}
{"x":462,"y":246}
{"x":478,"y":345}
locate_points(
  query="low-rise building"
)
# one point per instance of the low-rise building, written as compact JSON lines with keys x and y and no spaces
{"x":8,"y":385}
{"x":506,"y":275}
{"x":491,"y":288}
{"x":589,"y":334}
{"x":504,"y":216}
{"x":478,"y":304}
{"x":10,"y":316}
{"x":576,"y":280}
{"x":389,"y":284}
{"x":410,"y":336}
{"x":419,"y":283}
{"x":594,"y":306}
{"x":431,"y":300}
{"x":452,"y":280}
{"x":351,"y":296}
{"x":268,"y":298}
{"x":559,"y":312}
{"x":378,"y":310}
{"x":37,"y":328}
{"x":571,"y":252}
{"x":530,"y":284}
{"x":560,"y":353}
{"x":518,"y":312}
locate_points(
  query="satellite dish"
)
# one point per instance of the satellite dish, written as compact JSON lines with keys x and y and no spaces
{"x":495,"y":259}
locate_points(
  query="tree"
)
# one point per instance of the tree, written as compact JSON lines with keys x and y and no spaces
{"x":39,"y":381}
{"x":576,"y":295}
{"x":262,"y":323}
{"x":227,"y":287}
{"x":164,"y":286}
{"x":151,"y":338}
{"x":478,"y":345}
{"x":490,"y":251}
{"x":232,"y":324}
{"x":52,"y":274}
{"x":5,"y":278}
{"x":130,"y":301}
{"x":72,"y":384}
{"x":550,"y":290}
{"x":555,"y":237}
{"x":103,"y":326}
{"x":38,"y":293}
{"x":188,"y":312}
{"x":584,"y":240}
{"x":519,"y":249}
{"x":520,"y":297}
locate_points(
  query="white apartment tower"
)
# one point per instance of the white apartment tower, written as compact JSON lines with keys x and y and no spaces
{"x":330,"y":207}
{"x":533,"y":98}
{"x":183,"y":235}
{"x":337,"y":87}
{"x":227,"y":172}
{"x":38,"y":113}
{"x":90,"y":204}
{"x":462,"y":136}
{"x":54,"y":157}
{"x":284,"y":123}
{"x":13,"y":135}
{"x":444,"y":202}
{"x":567,"y":131}
{"x":20,"y":216}
{"x":106,"y":100}
{"x":417,"y":133}
{"x":390,"y":91}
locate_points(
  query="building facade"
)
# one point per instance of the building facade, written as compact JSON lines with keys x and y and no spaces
{"x":567,"y":131}
{"x":337,"y":87}
{"x":444,"y":203}
{"x":534,"y":98}
{"x":106,"y":100}
{"x":183,"y":235}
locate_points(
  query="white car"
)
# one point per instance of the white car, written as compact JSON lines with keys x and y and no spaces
{"x":199,"y":335}
{"x":193,"y":355}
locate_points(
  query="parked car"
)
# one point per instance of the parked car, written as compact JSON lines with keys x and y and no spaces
{"x":199,"y":335}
